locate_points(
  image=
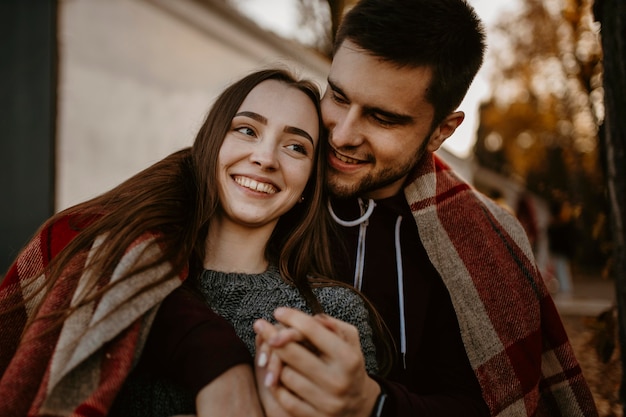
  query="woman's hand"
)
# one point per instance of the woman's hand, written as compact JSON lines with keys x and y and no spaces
{"x":267,"y":369}
{"x":321,"y":375}
{"x":232,"y":394}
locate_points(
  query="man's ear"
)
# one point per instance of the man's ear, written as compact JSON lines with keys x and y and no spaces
{"x":445,"y":129}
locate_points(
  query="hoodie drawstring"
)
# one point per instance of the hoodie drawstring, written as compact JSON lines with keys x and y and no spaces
{"x":362,"y":222}
{"x":400,"y":292}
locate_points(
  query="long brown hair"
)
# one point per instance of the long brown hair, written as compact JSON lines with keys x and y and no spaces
{"x":175,"y":199}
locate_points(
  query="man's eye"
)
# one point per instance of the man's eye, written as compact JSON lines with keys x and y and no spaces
{"x":245,"y":130}
{"x":339,"y":98}
{"x":382,"y":121}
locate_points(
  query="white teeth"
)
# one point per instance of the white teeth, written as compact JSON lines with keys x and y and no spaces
{"x":346,"y":159}
{"x":261,"y":187}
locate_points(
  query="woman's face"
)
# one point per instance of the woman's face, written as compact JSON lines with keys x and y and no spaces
{"x":267,"y":155}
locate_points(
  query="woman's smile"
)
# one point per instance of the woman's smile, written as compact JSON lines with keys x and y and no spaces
{"x":255,"y":185}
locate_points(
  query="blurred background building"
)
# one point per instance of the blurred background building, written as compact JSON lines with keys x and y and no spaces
{"x":94,"y":91}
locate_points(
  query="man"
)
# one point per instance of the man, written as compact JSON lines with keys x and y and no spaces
{"x":450,"y":272}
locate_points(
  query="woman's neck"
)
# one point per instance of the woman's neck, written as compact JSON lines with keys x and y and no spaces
{"x":235,"y":248}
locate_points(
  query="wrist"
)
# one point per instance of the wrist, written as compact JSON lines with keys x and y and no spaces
{"x":372,"y":393}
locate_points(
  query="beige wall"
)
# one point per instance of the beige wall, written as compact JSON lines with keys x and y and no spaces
{"x":138,"y":76}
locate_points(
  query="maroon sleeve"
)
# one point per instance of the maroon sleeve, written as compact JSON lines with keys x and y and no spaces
{"x":190,"y":344}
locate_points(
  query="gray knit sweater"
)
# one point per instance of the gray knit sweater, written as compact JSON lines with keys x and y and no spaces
{"x":242,"y":298}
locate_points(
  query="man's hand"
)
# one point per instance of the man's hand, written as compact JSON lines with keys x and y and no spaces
{"x":323,"y":370}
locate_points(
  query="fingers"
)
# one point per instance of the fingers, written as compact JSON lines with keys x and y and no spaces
{"x":347,"y":331}
{"x":267,"y":383}
{"x":294,"y":405}
{"x":276,"y":335}
{"x":321,"y":330}
{"x":274,"y":370}
{"x":272,"y":361}
{"x":330,"y":343}
{"x":268,"y":363}
{"x":323,"y":373}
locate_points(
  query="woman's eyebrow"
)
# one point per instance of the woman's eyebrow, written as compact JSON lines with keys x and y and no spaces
{"x":299,"y":132}
{"x":253,"y":115}
{"x":288,"y":129}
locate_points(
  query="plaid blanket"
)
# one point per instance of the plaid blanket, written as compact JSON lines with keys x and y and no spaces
{"x":78,"y":369}
{"x":511,"y":329}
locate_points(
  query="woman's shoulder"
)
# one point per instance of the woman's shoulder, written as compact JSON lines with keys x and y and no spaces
{"x":338,"y":300}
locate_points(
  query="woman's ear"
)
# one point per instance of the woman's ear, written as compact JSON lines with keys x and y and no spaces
{"x":445,"y":129}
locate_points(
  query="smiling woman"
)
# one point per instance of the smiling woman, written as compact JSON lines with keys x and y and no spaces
{"x":145,"y":296}
{"x":265,"y":161}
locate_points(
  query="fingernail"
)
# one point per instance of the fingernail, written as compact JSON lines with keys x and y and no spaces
{"x":262,"y":361}
{"x":269,"y":379}
{"x":279,"y":312}
{"x":258,"y":325}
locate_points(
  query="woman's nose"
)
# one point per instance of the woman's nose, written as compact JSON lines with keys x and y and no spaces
{"x":264,"y":155}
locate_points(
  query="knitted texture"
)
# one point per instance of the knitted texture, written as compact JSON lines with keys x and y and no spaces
{"x":243,"y":298}
{"x":78,"y":368}
{"x":512,"y":332}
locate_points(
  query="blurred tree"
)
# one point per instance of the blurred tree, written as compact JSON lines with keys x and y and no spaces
{"x":612,"y":16}
{"x":312,"y":14}
{"x":540,"y":125}
{"x":317,"y":21}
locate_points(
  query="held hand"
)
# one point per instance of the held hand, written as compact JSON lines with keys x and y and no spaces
{"x":325,"y":376}
{"x":231,"y":394}
{"x":267,"y":366}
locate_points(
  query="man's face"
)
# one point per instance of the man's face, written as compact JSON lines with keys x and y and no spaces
{"x":379,"y":123}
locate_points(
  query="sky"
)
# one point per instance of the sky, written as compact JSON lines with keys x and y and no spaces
{"x":280,"y":16}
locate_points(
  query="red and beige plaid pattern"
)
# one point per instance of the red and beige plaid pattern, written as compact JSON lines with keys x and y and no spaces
{"x":511,"y":329}
{"x":77,"y":369}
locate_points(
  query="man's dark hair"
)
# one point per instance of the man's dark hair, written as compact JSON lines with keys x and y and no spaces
{"x":445,"y":35}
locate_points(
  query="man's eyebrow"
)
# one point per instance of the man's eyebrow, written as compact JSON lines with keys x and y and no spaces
{"x":253,"y":115}
{"x":335,"y":87}
{"x":299,"y":132}
{"x":391,"y":117}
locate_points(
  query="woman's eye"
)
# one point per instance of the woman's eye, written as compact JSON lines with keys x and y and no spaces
{"x":298,"y":148}
{"x":245,"y":130}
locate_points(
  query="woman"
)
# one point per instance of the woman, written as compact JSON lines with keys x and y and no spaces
{"x":100,"y":277}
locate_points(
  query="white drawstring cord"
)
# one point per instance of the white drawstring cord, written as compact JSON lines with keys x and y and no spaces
{"x":360,"y":261}
{"x":349,"y":223}
{"x":360,"y":257}
{"x":400,"y":292}
{"x":360,"y":250}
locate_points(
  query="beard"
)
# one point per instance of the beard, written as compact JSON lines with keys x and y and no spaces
{"x":343,"y":189}
{"x":340,"y":187}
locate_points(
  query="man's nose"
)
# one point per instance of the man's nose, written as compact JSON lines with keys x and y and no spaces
{"x":346,"y":131}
